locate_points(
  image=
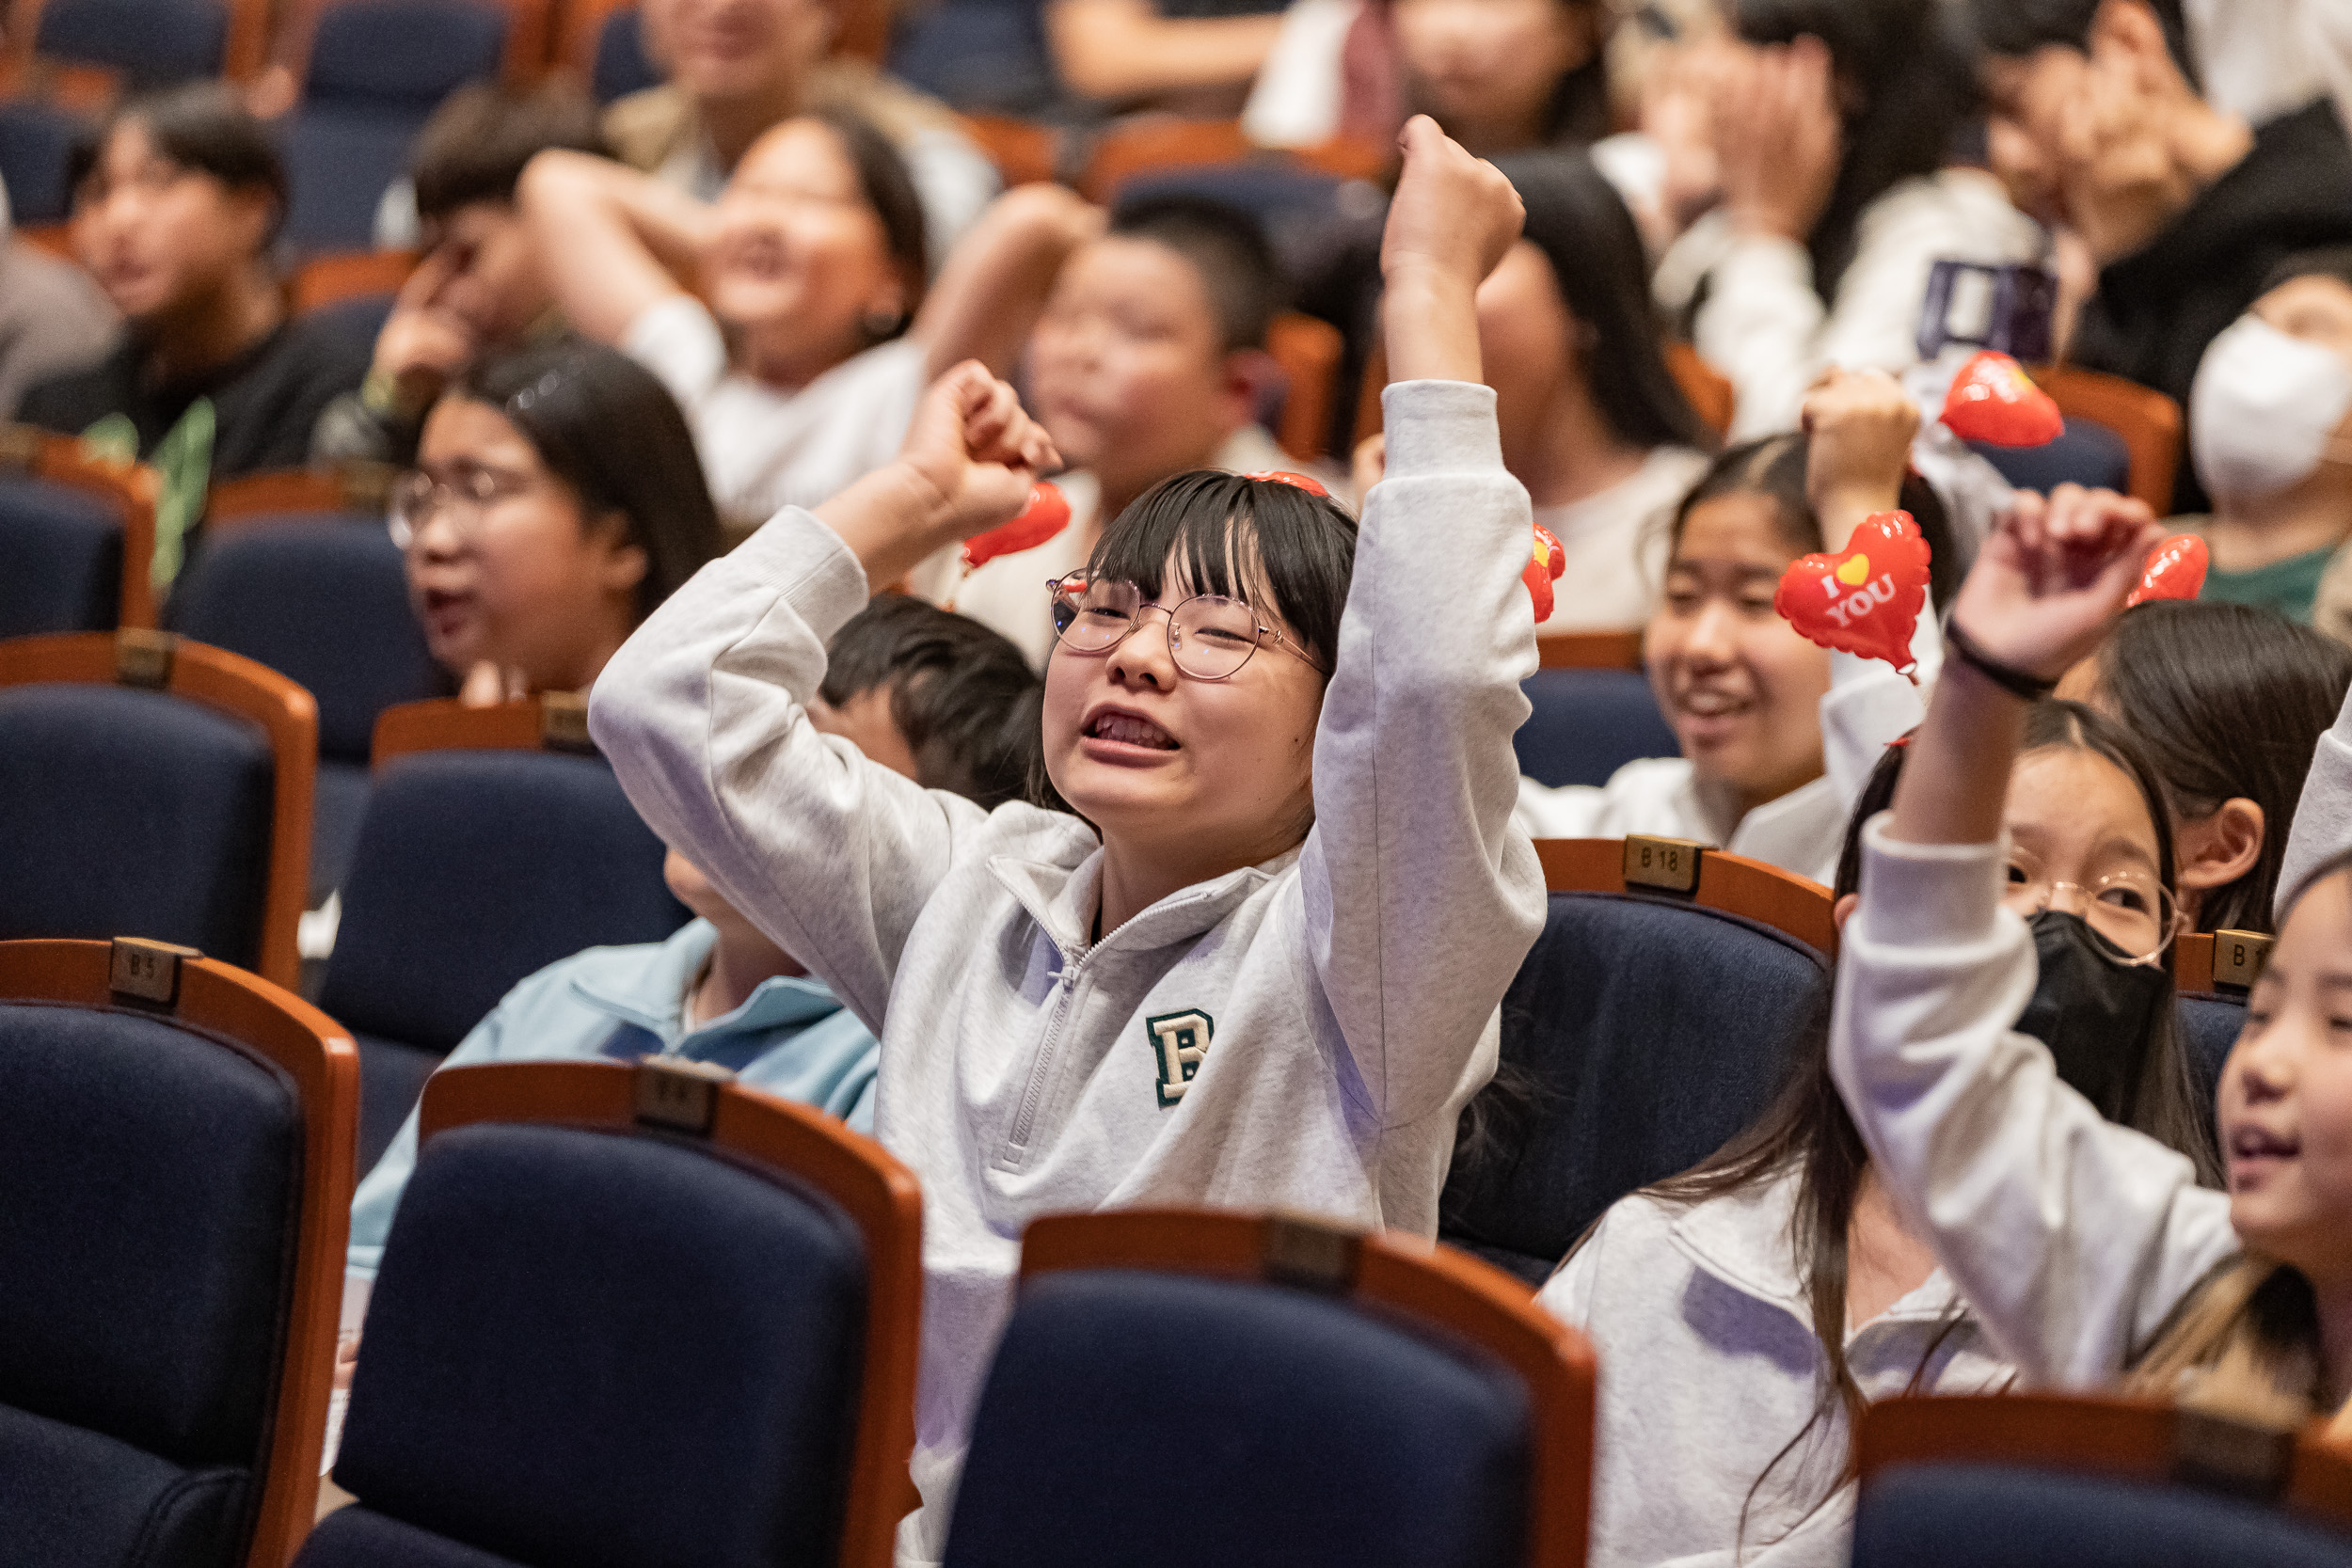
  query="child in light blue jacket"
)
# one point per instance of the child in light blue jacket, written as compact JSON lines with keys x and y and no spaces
{"x":1261,"y":966}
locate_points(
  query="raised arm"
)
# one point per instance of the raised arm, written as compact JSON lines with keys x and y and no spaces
{"x":2071,"y":1237}
{"x":995,"y":280}
{"x":701,"y":711}
{"x":614,"y":241}
{"x":1422,"y":899}
{"x":1127,"y":49}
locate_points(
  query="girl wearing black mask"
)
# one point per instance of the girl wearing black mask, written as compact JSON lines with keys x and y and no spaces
{"x":1790,"y":1226}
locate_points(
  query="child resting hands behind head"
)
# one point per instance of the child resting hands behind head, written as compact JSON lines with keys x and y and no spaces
{"x":1263,"y":968}
{"x":2091,"y":1254}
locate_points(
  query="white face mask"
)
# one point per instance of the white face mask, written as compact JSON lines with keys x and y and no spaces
{"x":2264,"y":410}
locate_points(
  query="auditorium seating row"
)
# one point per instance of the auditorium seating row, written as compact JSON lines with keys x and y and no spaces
{"x":639,"y":1314}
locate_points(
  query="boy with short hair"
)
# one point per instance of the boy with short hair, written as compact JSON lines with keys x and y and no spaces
{"x":479,"y":286}
{"x":936,"y":696}
{"x":1146,"y":363}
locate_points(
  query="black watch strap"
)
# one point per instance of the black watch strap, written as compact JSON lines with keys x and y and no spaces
{"x":2008,"y":678}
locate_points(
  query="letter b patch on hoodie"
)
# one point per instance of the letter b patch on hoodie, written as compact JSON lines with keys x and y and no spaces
{"x":1179,"y":1040}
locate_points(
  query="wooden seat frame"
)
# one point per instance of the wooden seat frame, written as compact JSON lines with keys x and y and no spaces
{"x":226,"y":683}
{"x":1792,"y":905}
{"x":2117,"y":1439}
{"x":880,"y":1196}
{"x":355,"y":487}
{"x":1589,"y":650}
{"x":554,"y":722}
{"x":1308,"y":352}
{"x":1429,"y":1284}
{"x":131,"y":488}
{"x":316,"y":1053}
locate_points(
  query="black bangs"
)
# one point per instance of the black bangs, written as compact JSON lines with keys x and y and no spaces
{"x":1274,"y":546}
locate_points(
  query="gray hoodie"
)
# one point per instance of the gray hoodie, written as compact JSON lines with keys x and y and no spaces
{"x":1298,"y":1033}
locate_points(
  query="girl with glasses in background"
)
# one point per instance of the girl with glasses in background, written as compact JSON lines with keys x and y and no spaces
{"x":556,"y":499}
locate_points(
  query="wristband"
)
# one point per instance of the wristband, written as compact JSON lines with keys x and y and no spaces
{"x":2016,"y":682}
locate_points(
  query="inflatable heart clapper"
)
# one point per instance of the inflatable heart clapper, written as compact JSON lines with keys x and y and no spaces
{"x":2177,"y":570}
{"x":1545,"y":562}
{"x":1993,"y":400}
{"x":1047,"y":513}
{"x":1866,"y":599}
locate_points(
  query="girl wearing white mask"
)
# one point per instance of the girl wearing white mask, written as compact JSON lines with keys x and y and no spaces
{"x":2270,"y":429}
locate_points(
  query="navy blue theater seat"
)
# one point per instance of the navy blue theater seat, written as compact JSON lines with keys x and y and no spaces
{"x":979,"y":55}
{"x":37,"y":141}
{"x":1976,"y":1515}
{"x":151,"y":42}
{"x":621,"y":65}
{"x":1639,"y":1035}
{"x":60,"y":559}
{"x":2087,"y":453}
{"x":154,"y":1182}
{"x":378,"y":68}
{"x":131,"y":812}
{"x":473,"y":871}
{"x":592,"y":1346}
{"x":1588,"y":724}
{"x":322,"y":599}
{"x":1163,"y":1420}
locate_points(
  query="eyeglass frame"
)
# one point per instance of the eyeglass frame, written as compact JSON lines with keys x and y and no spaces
{"x":2168,"y":927}
{"x":440,"y":494}
{"x":1056,"y":587}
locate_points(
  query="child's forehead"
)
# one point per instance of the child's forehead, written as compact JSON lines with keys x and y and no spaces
{"x":1143,"y":267}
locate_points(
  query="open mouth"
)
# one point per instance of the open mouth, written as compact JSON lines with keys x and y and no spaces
{"x":1128,"y":728}
{"x":446,"y":612}
{"x":1706,"y":704}
{"x":2253,"y":1143}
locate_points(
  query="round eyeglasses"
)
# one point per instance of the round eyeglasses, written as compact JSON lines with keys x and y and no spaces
{"x":1209,"y":636}
{"x":2130,"y":907}
{"x":466,"y":495}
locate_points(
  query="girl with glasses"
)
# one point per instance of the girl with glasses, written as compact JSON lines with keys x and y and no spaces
{"x":2092,"y":1255}
{"x":1261,"y":963}
{"x":556,"y":502}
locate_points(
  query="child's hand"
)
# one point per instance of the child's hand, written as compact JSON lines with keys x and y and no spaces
{"x":973,"y":445}
{"x":1777,"y":139}
{"x":2052,"y":578}
{"x":1860,"y":424}
{"x":1454,"y":217}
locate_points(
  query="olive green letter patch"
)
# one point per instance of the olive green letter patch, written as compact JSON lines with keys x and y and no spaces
{"x":1179,"y":1040}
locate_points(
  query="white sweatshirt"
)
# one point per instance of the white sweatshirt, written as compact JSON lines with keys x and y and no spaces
{"x":1709,"y":1367}
{"x":1867,"y":707}
{"x":1763,"y":326}
{"x":1298,"y":1033}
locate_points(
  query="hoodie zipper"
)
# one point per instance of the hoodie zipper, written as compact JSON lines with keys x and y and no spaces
{"x":1033,"y":1091}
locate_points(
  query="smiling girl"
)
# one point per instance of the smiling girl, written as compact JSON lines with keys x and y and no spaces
{"x":791,"y":319}
{"x":1776,"y":733}
{"x":2089,"y":1252}
{"x":1263,"y":968}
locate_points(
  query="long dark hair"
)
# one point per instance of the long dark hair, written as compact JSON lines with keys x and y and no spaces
{"x":1808,"y":1130}
{"x":603,"y":425}
{"x":1905,"y":72}
{"x":2226,"y":700}
{"x":1772,"y":467}
{"x":1576,"y":218}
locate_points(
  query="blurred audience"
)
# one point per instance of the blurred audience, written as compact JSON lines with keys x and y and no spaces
{"x":740,"y":68}
{"x":52,"y":317}
{"x":1192,"y":57}
{"x":479,"y":286}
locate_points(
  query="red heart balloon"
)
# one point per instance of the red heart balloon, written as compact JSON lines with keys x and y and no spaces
{"x":2177,"y":570}
{"x":1865,"y":601}
{"x":1047,"y":513}
{"x":1545,"y":562}
{"x":1993,"y":400}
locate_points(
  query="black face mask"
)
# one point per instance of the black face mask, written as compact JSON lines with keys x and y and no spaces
{"x":2092,"y":1007}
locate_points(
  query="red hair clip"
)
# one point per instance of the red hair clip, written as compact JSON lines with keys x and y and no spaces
{"x":1297,"y":482}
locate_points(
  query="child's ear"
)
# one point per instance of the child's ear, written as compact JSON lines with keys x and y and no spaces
{"x":1252,"y":378}
{"x":625,"y":562}
{"x":2217,"y":849}
{"x":1842,"y":912}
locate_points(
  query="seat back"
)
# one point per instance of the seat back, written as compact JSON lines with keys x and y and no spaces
{"x":68,"y":524}
{"x":2147,"y":423}
{"x":484,"y":855}
{"x":156,"y":788}
{"x":1708,"y":391}
{"x":2212,"y":971}
{"x":2085,"y":452}
{"x":1587,"y":723}
{"x":1309,"y":352}
{"x":1647,"y":1028}
{"x":634,"y":1315}
{"x":322,"y":599}
{"x":175,"y":1139}
{"x":1188,"y":1387}
{"x":2033,"y":1480}
{"x":148,"y":43}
